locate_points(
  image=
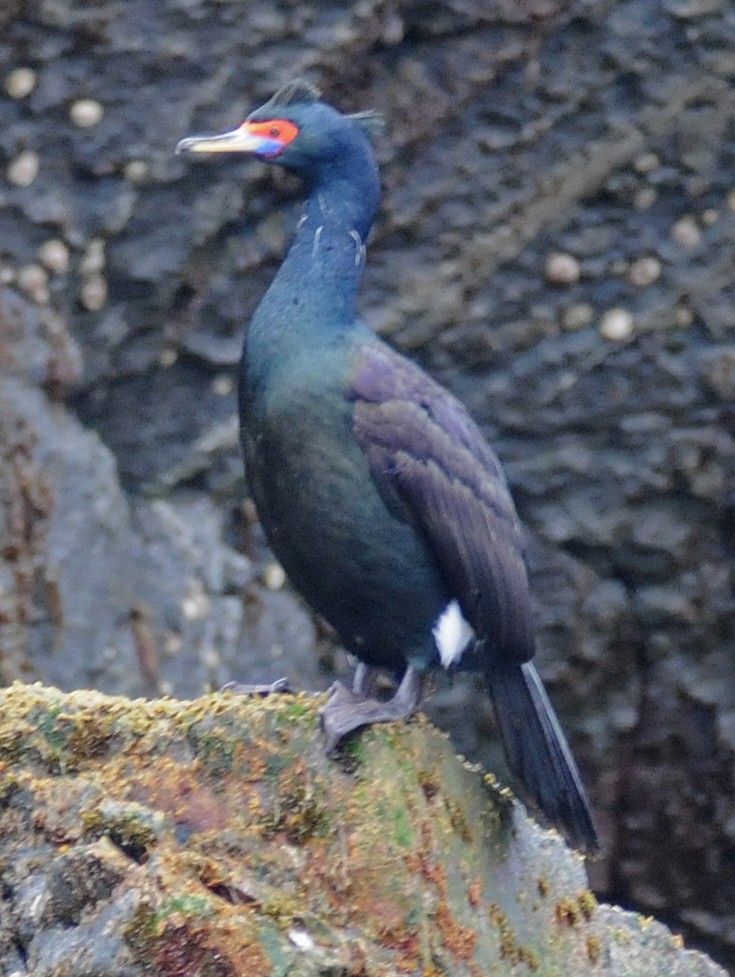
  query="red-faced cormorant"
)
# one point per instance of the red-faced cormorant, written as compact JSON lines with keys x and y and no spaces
{"x":376,"y":490}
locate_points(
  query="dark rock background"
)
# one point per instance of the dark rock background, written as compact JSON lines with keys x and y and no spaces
{"x":556,"y":244}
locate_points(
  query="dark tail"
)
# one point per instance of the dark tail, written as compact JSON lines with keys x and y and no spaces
{"x":537,"y":751}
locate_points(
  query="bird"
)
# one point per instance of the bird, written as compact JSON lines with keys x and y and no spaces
{"x":377,"y":492}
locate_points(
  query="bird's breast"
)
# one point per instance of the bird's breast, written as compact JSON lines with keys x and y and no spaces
{"x":356,"y":562}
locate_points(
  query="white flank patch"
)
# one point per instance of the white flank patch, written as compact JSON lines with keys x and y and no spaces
{"x":452,"y":634}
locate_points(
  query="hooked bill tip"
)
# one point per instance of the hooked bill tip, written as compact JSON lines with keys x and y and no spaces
{"x":184,"y":145}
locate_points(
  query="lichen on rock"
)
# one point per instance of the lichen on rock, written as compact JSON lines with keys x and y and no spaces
{"x":214,"y":837}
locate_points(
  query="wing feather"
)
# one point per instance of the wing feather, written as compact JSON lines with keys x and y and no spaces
{"x":434,"y":467}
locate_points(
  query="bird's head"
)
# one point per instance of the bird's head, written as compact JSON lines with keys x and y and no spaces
{"x":295,"y":129}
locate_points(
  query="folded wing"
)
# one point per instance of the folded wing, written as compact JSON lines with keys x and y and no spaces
{"x":434,"y":467}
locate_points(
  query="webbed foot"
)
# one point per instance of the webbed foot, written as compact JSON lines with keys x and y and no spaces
{"x":347,"y":710}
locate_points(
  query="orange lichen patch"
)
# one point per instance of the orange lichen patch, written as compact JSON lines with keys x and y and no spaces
{"x":368,"y":872}
{"x":427,"y":863}
{"x":394,"y":928}
{"x":251,"y":767}
{"x":189,"y":948}
{"x":379,"y":900}
{"x":178,"y":913}
{"x":461,"y":941}
{"x":323,"y":875}
{"x":474,"y":894}
{"x":407,"y":965}
{"x":212,"y":874}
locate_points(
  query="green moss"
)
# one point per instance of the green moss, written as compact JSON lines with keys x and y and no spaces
{"x":214,"y":749}
{"x":52,"y":751}
{"x":402,"y":827}
{"x":189,"y":905}
{"x":45,"y":719}
{"x":396,"y":816}
{"x":353,"y":749}
{"x":294,"y":710}
{"x":141,"y":927}
{"x":281,"y":959}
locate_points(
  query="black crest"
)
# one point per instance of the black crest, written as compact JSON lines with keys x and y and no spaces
{"x":298,"y":90}
{"x":304,"y":92}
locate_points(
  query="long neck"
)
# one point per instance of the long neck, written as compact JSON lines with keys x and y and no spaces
{"x":312,"y":298}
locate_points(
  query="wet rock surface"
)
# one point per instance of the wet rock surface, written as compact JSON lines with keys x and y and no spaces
{"x":555,"y":244}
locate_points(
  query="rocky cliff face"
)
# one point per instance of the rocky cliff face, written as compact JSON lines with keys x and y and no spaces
{"x":555,"y":244}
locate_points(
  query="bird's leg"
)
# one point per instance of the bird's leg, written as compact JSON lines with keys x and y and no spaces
{"x":278,"y":685}
{"x":363,"y":687}
{"x":346,"y":711}
{"x":363,"y":681}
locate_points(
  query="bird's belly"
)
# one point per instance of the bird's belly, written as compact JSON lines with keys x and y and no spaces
{"x":360,"y":566}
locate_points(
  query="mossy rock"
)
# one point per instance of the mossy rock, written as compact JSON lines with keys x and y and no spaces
{"x":215,"y":838}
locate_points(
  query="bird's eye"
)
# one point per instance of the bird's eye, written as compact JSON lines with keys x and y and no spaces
{"x":280,"y":132}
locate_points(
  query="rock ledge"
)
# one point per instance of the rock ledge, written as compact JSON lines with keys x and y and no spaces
{"x":213,"y":837}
